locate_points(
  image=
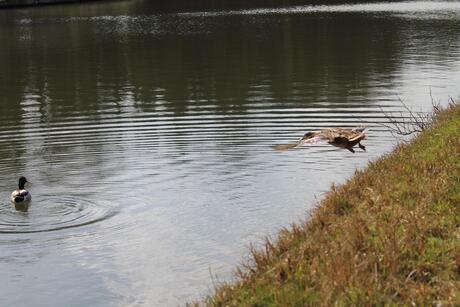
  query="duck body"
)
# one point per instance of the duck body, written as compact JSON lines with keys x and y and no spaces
{"x":21,"y":195}
{"x":339,"y":137}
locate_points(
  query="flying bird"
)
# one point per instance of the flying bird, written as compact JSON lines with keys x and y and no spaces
{"x":339,"y":137}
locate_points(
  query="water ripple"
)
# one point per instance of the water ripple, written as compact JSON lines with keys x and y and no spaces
{"x":51,"y":213}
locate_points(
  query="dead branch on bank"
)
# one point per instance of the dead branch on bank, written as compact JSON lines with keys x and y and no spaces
{"x":409,"y":121}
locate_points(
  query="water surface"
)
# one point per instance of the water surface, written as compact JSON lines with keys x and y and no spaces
{"x":147,"y":133}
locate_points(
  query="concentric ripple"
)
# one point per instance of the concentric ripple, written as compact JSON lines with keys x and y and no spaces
{"x":51,"y":214}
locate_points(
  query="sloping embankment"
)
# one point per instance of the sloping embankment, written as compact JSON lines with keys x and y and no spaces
{"x":390,"y":235}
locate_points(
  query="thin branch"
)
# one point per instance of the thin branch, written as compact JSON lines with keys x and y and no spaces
{"x":409,"y":121}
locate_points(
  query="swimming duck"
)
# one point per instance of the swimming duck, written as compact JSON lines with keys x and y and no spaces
{"x":21,"y":195}
{"x":339,"y":137}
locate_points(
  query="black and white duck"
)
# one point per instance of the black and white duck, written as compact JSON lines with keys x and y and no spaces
{"x":21,"y":195}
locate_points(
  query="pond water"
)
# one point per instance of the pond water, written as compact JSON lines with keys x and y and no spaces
{"x":147,"y":133}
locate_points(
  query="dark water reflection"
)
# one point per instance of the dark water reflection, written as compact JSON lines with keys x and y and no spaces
{"x":148,"y":133}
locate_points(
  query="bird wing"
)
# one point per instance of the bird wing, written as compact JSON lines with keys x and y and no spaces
{"x":311,"y":140}
{"x":339,"y":134}
{"x":21,"y":193}
{"x":302,"y":141}
{"x":332,"y":133}
{"x":283,"y":147}
{"x":357,"y":136}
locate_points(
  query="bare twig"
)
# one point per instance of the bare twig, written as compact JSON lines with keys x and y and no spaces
{"x":409,"y":121}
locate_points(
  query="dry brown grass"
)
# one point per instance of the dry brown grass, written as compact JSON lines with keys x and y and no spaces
{"x":390,"y":235}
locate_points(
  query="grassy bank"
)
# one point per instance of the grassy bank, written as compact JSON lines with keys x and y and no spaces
{"x":390,"y":235}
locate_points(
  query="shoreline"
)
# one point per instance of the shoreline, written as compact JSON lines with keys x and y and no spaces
{"x":389,"y":235}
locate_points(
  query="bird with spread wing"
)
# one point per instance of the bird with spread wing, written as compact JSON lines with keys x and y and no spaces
{"x":340,"y":137}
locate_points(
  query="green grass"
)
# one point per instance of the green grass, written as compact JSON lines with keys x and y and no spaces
{"x":388,"y":236}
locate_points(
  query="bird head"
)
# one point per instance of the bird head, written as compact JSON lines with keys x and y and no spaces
{"x":22,"y":182}
{"x":308,"y":135}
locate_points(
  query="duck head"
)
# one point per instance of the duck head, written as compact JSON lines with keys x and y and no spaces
{"x":308,"y":135}
{"x":22,"y":182}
